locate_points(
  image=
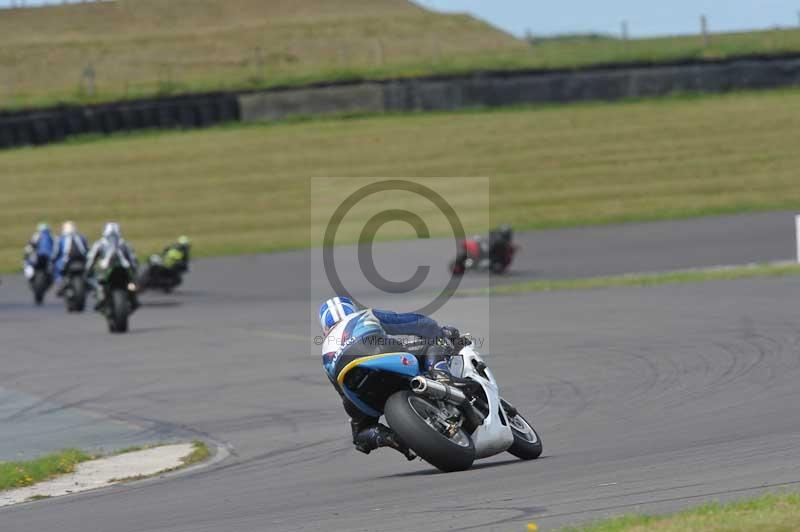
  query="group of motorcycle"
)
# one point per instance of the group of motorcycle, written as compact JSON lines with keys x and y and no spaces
{"x":113,"y":278}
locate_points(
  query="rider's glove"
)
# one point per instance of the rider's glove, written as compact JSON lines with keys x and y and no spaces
{"x":451,"y":333}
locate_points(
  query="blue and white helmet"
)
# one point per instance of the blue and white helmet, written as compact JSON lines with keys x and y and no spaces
{"x":334,"y":310}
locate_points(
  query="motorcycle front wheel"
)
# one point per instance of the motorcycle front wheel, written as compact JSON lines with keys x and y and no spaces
{"x":416,"y":420}
{"x":527,"y":443}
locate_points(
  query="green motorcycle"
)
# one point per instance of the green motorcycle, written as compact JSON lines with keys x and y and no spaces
{"x":116,"y":292}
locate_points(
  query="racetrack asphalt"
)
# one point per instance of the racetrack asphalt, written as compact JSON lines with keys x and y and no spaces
{"x":647,"y":399}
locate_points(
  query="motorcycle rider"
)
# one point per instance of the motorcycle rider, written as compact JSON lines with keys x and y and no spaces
{"x":364,"y":332}
{"x":110,"y":241}
{"x":71,"y":246}
{"x":176,"y":256}
{"x":40,"y":246}
{"x":495,"y":247}
{"x":499,"y":240}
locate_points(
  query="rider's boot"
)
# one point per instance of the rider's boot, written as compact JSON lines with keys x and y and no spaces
{"x":370,"y":438}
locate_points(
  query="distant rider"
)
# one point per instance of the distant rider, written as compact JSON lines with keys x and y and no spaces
{"x":111,"y":242}
{"x":351,"y":334}
{"x":176,"y":256}
{"x":495,"y":247}
{"x":71,"y":246}
{"x":499,"y":240}
{"x":39,"y":249}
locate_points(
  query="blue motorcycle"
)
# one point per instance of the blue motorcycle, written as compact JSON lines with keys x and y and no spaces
{"x":39,"y":273}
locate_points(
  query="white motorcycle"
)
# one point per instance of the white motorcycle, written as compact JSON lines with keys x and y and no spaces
{"x":448,"y":424}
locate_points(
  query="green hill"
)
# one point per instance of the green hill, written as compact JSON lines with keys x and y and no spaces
{"x":142,"y":47}
{"x":139,"y":48}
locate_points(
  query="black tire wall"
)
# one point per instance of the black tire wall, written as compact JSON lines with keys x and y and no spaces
{"x":477,"y":89}
{"x":43,"y":126}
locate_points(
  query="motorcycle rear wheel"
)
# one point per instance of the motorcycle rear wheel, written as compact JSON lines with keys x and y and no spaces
{"x":119,"y":311}
{"x":40,"y":285}
{"x":409,"y":415}
{"x":75,"y":295}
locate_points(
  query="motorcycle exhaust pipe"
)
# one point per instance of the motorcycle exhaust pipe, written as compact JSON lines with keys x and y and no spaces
{"x":437,"y":390}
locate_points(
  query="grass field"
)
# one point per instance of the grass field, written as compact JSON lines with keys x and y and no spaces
{"x":768,"y":513}
{"x":697,"y":275}
{"x":144,"y":47}
{"x":246,"y":188}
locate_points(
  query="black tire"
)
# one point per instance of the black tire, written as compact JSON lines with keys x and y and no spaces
{"x":429,"y":444}
{"x":119,"y":312}
{"x":69,"y":300}
{"x":78,"y":294}
{"x":39,"y":284}
{"x":527,"y":443}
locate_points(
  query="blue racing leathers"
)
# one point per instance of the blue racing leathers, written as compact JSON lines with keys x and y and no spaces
{"x":38,"y":250}
{"x":362,"y":334}
{"x":408,"y":324}
{"x":68,"y":247}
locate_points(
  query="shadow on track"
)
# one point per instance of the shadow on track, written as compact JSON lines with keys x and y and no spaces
{"x":433,"y":471}
{"x":161,"y":304}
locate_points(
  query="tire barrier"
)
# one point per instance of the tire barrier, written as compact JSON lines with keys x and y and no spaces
{"x":43,"y":126}
{"x":442,"y":93}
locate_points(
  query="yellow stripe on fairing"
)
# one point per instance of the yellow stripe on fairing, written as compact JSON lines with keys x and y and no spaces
{"x":358,"y":361}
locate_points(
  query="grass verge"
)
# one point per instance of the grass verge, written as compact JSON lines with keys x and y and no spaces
{"x":650,"y":279}
{"x":245,"y":189}
{"x":200,"y":453}
{"x":767,"y":513}
{"x":28,"y":472}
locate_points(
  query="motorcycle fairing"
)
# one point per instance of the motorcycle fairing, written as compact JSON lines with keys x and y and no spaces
{"x":494,"y":435}
{"x":401,"y":364}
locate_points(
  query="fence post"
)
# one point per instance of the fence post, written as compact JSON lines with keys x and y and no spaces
{"x":704,"y":31}
{"x":88,"y":78}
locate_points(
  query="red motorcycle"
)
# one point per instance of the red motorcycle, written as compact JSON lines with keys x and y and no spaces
{"x":480,"y":254}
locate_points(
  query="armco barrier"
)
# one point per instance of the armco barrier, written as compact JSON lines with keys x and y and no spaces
{"x":43,"y":126}
{"x":481,"y":89}
{"x":494,"y":89}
